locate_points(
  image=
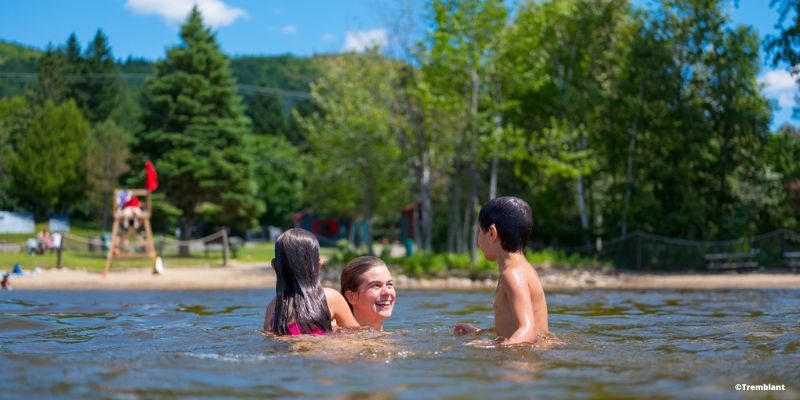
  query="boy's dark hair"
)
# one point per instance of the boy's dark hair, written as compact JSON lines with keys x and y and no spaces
{"x":512,"y":218}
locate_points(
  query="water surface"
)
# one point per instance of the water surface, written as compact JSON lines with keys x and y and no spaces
{"x":635,"y":344}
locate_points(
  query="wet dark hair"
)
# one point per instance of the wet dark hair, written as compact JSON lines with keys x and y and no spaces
{"x":351,"y":274}
{"x":299,"y":294}
{"x":512,"y":218}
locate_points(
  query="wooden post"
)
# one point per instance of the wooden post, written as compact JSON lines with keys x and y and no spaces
{"x":148,"y":243}
{"x":114,"y":243}
{"x":782,"y":237}
{"x":224,"y":246}
{"x":58,"y":250}
{"x":638,"y":250}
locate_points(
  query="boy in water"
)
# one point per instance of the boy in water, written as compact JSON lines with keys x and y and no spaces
{"x":520,"y":309}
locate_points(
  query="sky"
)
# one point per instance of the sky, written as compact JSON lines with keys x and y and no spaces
{"x":146,"y":28}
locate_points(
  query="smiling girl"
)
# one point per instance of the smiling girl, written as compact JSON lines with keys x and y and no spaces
{"x":367,"y":285}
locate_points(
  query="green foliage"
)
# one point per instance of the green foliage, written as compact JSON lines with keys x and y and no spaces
{"x":353,"y":154}
{"x":279,"y":173}
{"x":47,"y":168}
{"x":194,"y":130}
{"x":16,"y":58}
{"x":266,"y":112}
{"x":100,"y":90}
{"x":427,"y":265}
{"x":106,"y":161}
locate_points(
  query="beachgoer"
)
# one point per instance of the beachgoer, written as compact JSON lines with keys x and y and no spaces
{"x":6,"y":283}
{"x":132,"y":211}
{"x":45,"y":241}
{"x":520,"y":309}
{"x":301,"y":305}
{"x":367,"y":285}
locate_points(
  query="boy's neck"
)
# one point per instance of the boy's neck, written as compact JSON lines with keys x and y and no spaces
{"x":507,"y":259}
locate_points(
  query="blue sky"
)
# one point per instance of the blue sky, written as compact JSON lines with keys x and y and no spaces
{"x":145,"y":28}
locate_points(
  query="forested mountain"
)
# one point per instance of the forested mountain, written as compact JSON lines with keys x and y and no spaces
{"x":280,"y":72}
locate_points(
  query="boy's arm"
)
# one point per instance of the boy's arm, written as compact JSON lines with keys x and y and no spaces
{"x":519,"y":298}
{"x":268,"y":315}
{"x":461,"y":329}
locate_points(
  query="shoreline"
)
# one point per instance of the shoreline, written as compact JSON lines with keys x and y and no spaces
{"x":260,"y":276}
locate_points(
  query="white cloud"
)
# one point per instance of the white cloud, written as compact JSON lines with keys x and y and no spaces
{"x":778,"y":80}
{"x":289,"y":30}
{"x":361,"y":40}
{"x":328,"y":37}
{"x":215,"y":12}
{"x":780,"y":85}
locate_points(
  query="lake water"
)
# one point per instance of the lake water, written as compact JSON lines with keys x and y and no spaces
{"x":634,"y":344}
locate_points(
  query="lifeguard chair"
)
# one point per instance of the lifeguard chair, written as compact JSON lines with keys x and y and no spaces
{"x":116,"y":249}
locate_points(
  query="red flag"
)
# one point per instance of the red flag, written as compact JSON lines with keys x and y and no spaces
{"x":151,"y":178}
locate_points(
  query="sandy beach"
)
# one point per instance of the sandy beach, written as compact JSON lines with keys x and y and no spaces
{"x":260,"y":275}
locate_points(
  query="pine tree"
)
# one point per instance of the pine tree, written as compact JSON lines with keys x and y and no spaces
{"x":100,"y":88}
{"x":50,"y":84}
{"x":194,"y":129}
{"x":73,"y":71}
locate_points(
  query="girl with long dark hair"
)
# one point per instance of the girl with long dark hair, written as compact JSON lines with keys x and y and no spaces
{"x":301,"y":305}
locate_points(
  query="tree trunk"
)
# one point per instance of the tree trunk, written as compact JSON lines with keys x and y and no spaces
{"x":454,"y":226}
{"x":186,"y":235}
{"x":369,"y":209}
{"x":469,"y":216}
{"x":582,"y":207}
{"x":493,"y":179}
{"x":629,"y":167}
{"x":427,"y":207}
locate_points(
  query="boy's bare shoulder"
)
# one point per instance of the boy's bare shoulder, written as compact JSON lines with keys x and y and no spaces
{"x":513,"y":275}
{"x":521,"y":274}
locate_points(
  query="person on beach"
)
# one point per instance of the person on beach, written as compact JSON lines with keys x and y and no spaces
{"x":520,"y":309}
{"x":301,"y":305}
{"x":368,"y":287}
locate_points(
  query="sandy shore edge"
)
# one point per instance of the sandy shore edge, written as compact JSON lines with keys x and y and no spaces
{"x":260,"y":275}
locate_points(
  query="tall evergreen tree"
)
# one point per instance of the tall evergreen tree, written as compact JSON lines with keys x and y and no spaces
{"x":194,"y":129}
{"x":50,"y":83}
{"x":100,"y":87}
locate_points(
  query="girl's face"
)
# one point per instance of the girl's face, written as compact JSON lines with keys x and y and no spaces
{"x":373,"y":302}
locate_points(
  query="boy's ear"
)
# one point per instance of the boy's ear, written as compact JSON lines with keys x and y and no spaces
{"x":493,"y":232}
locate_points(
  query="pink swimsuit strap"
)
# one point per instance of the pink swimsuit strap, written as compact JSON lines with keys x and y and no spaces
{"x":294,"y":330}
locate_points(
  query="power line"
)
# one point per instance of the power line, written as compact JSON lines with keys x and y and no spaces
{"x":244,"y":88}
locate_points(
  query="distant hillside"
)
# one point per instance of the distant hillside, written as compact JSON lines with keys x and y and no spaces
{"x":282,"y":72}
{"x":15,"y":57}
{"x":11,"y":52}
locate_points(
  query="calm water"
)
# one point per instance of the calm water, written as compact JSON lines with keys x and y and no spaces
{"x":646,"y":344}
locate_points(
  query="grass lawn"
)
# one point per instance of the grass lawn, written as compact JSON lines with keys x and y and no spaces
{"x":253,"y":252}
{"x":97,"y":261}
